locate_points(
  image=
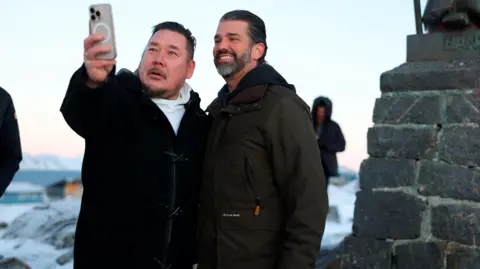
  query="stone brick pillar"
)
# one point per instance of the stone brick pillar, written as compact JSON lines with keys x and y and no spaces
{"x":419,"y":204}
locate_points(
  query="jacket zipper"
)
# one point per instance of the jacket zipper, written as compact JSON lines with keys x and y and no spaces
{"x":250,"y":185}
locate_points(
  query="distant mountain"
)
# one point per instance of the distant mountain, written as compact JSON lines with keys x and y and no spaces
{"x":53,"y":162}
{"x":50,"y":162}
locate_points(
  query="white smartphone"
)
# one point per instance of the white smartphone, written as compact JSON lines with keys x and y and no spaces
{"x":101,"y":23}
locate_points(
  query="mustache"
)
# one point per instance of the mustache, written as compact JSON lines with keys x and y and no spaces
{"x":158,"y":71}
{"x":217,"y":56}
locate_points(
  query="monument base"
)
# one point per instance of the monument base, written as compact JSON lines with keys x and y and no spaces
{"x":419,"y":203}
{"x":432,"y":75}
{"x":444,"y":46}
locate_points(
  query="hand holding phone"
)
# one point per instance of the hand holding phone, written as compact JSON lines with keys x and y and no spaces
{"x":99,"y":46}
{"x":101,"y":23}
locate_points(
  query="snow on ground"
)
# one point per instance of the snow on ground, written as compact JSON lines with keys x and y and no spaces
{"x":339,"y":223}
{"x":39,"y":235}
{"x":33,"y":253}
{"x":9,"y":212}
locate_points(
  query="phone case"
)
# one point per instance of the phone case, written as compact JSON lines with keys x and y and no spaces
{"x":101,"y":23}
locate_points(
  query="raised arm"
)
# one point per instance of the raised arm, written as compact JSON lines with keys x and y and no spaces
{"x":91,"y":94}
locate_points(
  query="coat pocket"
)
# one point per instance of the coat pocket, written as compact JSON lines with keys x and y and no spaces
{"x":248,"y":241}
{"x":250,"y":176}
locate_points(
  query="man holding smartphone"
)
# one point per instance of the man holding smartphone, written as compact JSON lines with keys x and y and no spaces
{"x":10,"y":145}
{"x":145,"y":138}
{"x":263,"y":199}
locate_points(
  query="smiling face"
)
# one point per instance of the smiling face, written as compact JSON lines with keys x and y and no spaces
{"x":234,"y":51}
{"x":166,"y":64}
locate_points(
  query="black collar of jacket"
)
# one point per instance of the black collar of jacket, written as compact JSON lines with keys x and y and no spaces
{"x":244,"y":101}
{"x":250,"y":91}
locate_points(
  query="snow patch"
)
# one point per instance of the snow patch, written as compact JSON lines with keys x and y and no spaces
{"x":340,"y":220}
{"x":40,"y":235}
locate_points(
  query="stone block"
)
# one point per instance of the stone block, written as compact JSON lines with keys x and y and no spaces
{"x":464,"y":258}
{"x":402,"y":142}
{"x":434,"y":75}
{"x":382,"y":215}
{"x":416,"y":109}
{"x":458,"y":223}
{"x":448,"y":181}
{"x":387,"y":173}
{"x":366,"y":253}
{"x":462,"y":108}
{"x":419,"y":255}
{"x":460,"y":145}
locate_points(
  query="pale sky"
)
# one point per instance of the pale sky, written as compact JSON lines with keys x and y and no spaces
{"x":333,"y":48}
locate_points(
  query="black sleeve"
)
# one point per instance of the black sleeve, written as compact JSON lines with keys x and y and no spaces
{"x":86,"y":109}
{"x":10,"y":145}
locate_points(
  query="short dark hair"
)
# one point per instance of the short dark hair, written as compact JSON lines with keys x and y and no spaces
{"x":256,"y":27}
{"x":178,"y":28}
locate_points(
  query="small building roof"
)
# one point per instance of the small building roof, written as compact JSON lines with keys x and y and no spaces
{"x":23,"y":187}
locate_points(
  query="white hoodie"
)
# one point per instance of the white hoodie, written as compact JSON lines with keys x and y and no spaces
{"x":174,"y":109}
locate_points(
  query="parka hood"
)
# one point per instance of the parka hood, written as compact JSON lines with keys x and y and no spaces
{"x":322,"y":101}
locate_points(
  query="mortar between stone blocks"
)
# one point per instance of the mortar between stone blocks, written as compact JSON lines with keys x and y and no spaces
{"x":431,"y":92}
{"x":423,"y":126}
{"x":432,"y":200}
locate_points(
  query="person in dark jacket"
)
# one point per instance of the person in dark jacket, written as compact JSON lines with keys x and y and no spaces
{"x":145,"y":138}
{"x":10,"y":145}
{"x":329,"y":136}
{"x":263,"y":200}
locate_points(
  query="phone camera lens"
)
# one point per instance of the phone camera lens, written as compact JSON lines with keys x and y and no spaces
{"x":92,"y":10}
{"x":92,"y":17}
{"x":97,"y":13}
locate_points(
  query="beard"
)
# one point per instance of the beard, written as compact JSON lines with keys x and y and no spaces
{"x":229,"y":69}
